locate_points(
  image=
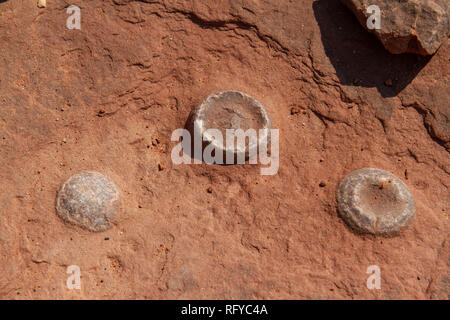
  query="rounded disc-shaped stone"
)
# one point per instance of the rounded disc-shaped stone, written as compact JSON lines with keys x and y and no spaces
{"x":89,"y":200}
{"x":232,"y":110}
{"x":375,"y":201}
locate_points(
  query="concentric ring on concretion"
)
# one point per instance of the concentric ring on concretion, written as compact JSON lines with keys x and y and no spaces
{"x":89,"y":200}
{"x":232,"y":110}
{"x":375,"y":201}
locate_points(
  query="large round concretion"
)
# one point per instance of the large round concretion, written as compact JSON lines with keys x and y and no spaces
{"x":375,"y":201}
{"x":232,"y":110}
{"x":89,"y":200}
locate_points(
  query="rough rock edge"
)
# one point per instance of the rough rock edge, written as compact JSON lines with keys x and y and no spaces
{"x":390,"y":40}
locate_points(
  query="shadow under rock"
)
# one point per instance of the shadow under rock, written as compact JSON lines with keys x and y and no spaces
{"x":357,"y":55}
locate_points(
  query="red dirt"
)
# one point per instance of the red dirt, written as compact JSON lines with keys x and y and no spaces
{"x":107,"y":98}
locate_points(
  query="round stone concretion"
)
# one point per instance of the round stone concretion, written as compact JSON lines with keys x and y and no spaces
{"x":89,"y":200}
{"x":232,"y":110}
{"x":375,"y":201}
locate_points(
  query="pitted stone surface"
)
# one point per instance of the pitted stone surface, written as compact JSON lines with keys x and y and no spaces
{"x":89,"y":200}
{"x":375,"y":201}
{"x":231,"y":110}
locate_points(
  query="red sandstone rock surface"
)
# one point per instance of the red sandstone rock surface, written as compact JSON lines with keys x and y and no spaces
{"x":107,"y":98}
{"x":414,"y":26}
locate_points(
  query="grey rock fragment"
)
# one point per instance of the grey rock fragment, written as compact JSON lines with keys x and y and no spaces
{"x":232,"y":110}
{"x":375,"y":201}
{"x":89,"y":200}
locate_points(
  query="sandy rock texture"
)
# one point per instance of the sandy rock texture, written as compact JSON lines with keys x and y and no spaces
{"x":414,"y":26}
{"x":107,"y":98}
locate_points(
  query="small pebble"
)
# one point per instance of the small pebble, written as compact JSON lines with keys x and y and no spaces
{"x":295,"y":110}
{"x":42,"y":3}
{"x":230,"y":110}
{"x":375,"y":201}
{"x":89,"y":200}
